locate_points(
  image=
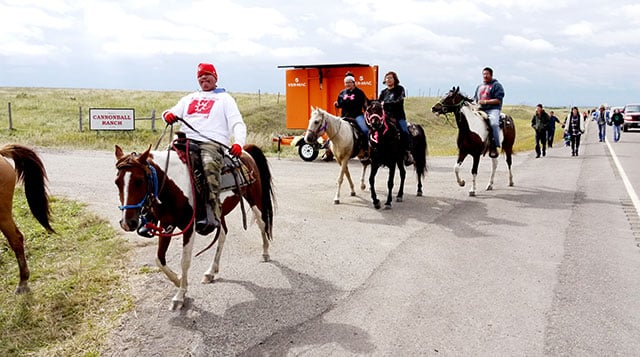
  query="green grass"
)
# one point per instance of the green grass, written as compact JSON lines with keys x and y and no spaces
{"x":50,"y":117}
{"x":78,"y":284}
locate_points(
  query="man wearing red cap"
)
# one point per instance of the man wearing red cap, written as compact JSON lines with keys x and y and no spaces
{"x":213,"y":117}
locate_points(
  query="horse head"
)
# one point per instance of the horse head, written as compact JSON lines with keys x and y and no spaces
{"x":374,"y":115}
{"x":452,"y":101}
{"x":317,"y":125}
{"x":136,"y":180}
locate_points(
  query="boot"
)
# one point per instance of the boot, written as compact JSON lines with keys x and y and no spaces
{"x":206,"y":220}
{"x":142,"y":230}
{"x":408,"y":158}
{"x":493,"y":151}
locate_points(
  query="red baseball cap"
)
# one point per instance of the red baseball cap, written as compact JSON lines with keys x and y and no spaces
{"x":207,"y":68}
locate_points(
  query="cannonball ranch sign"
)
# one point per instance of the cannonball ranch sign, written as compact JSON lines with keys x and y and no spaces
{"x":112,"y":119}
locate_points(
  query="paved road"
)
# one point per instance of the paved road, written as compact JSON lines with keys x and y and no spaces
{"x":549,"y":266}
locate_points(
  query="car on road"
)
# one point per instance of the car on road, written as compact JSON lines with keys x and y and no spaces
{"x":631,"y":116}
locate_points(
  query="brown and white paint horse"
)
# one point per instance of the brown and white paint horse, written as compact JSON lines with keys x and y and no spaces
{"x":473,"y":135}
{"x":142,"y":184}
{"x":30,"y":169}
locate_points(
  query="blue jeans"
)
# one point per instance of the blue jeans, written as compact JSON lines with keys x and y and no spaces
{"x":616,"y":133}
{"x":404,"y":131}
{"x":494,"y":121}
{"x":602,"y":131}
{"x":362,"y":125}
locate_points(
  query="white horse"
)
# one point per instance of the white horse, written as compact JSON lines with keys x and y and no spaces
{"x":343,"y":144}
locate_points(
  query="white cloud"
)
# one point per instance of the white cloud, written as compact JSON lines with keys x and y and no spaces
{"x":519,"y":43}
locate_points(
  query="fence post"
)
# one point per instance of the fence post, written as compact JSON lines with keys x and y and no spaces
{"x":153,"y":120}
{"x":80,"y":117}
{"x":10,"y":120}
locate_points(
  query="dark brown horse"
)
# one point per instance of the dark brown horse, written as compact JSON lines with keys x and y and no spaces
{"x":30,"y":169}
{"x":388,"y":150}
{"x":473,"y":134}
{"x":144,"y":186}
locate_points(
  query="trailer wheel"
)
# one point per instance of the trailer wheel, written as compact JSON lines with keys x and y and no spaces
{"x":307,"y":152}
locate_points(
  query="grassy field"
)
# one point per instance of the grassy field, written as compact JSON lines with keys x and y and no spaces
{"x":50,"y":118}
{"x":79,"y":275}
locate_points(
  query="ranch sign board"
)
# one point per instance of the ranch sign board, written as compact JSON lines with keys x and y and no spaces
{"x":112,"y":119}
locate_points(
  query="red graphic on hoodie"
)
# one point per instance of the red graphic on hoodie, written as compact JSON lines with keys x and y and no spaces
{"x":200,"y":106}
{"x":484,"y":92}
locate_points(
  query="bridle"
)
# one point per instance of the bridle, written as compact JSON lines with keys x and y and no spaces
{"x":323,"y":128}
{"x":151,"y":175}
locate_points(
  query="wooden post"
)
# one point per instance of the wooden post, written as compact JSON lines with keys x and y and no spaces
{"x":80,"y":117}
{"x":10,"y":120}
{"x":259,"y":107}
{"x":153,"y":120}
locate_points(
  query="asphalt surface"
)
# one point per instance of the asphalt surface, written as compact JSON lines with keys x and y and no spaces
{"x":547,"y":267}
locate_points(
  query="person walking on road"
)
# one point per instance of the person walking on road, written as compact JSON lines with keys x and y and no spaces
{"x":573,"y":126}
{"x":602,"y":117}
{"x":551,"y":129}
{"x":540,"y":123}
{"x":617,"y":119}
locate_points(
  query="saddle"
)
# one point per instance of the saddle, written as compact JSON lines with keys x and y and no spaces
{"x":233,"y":175}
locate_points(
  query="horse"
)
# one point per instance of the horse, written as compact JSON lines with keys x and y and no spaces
{"x":30,"y":170}
{"x":473,"y":135}
{"x":143,"y":184}
{"x":388,"y":150}
{"x":343,"y":145}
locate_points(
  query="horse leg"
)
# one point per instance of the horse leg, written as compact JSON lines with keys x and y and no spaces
{"x":457,"y":167}
{"x":343,"y":168}
{"x":403,"y":175}
{"x":185,"y":264}
{"x":392,"y":174}
{"x":265,"y":236}
{"x":347,"y":173}
{"x":508,"y":155}
{"x":372,"y":185}
{"x":494,"y":165}
{"x":474,"y":174}
{"x":16,"y":241}
{"x":364,"y":172}
{"x":215,"y":265}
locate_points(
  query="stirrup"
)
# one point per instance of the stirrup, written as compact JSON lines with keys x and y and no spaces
{"x":208,"y":223}
{"x":408,"y":159}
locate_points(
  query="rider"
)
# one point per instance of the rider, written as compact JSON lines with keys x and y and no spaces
{"x":392,"y":99}
{"x":352,"y":101}
{"x":210,"y":117}
{"x":489,"y":95}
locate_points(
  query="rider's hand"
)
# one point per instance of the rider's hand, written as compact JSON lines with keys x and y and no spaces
{"x":235,"y":150}
{"x":169,"y":117}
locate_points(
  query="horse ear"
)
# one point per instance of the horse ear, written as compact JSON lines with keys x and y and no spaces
{"x":145,"y":155}
{"x":457,"y":89}
{"x":119,"y":152}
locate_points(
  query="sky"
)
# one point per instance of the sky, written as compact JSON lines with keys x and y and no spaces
{"x":554,"y":52}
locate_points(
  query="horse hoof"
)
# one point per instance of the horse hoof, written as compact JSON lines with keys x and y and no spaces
{"x":376,"y":205}
{"x":336,"y":202}
{"x":207,"y":279}
{"x":398,"y":199}
{"x":363,"y":187}
{"x":353,"y":194}
{"x":510,"y":184}
{"x":472,"y":193}
{"x":419,"y":194}
{"x":266,"y":258}
{"x":22,"y":290}
{"x":489,"y":188}
{"x":387,"y":206}
{"x":462,"y":183}
{"x":176,"y":305}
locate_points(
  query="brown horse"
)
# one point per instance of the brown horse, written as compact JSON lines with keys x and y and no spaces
{"x":144,"y":186}
{"x":473,"y":135}
{"x":30,"y":169}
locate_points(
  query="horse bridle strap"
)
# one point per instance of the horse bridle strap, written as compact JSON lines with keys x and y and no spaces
{"x":152,"y":178}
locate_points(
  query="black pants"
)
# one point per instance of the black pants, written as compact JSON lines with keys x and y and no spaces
{"x":541,"y":141}
{"x":575,"y":144}
{"x":550,"y":135}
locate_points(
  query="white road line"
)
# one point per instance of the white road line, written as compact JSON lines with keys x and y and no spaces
{"x":625,"y":179}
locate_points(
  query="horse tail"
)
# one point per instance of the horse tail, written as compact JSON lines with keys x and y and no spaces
{"x":420,"y":151}
{"x":30,"y":169}
{"x":268,"y":197}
